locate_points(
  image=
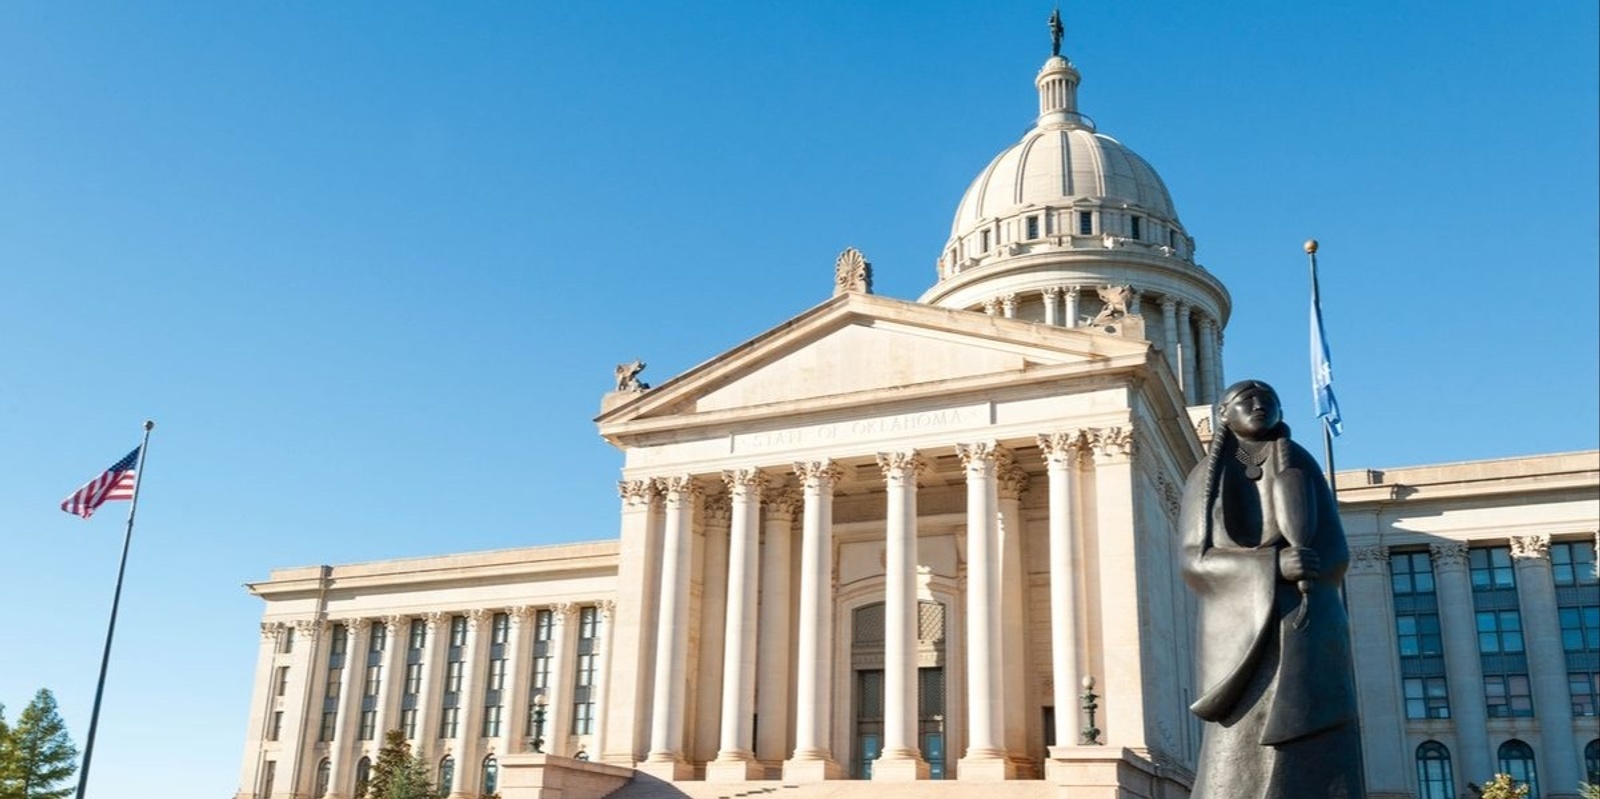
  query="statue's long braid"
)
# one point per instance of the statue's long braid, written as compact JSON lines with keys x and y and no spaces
{"x":1219,"y":445}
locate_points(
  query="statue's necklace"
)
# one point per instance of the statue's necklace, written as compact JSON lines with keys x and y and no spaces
{"x":1251,"y":460}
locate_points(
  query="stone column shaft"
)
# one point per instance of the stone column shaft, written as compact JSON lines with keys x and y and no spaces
{"x":1119,"y":543}
{"x":519,"y":673}
{"x":985,"y":757}
{"x":1547,"y":662}
{"x":628,"y":703}
{"x":1063,"y":453}
{"x":1011,"y":481}
{"x":1191,"y":389}
{"x":469,"y":718}
{"x":1052,"y":305}
{"x":736,"y":747}
{"x":1169,"y":346}
{"x":563,"y":658}
{"x":1070,"y":295}
{"x":668,"y":696}
{"x":901,"y":758}
{"x":263,"y":703}
{"x":773,"y":655}
{"x":607,"y":610}
{"x":1208,"y":364}
{"x":343,"y":746}
{"x":1368,"y":593}
{"x":430,"y":692}
{"x":1464,"y":670}
{"x":813,"y":758}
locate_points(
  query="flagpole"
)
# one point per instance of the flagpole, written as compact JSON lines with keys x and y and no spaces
{"x":116,"y":599}
{"x":1327,"y":430}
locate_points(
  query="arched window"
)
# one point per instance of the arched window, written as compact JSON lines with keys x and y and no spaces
{"x":1433,"y":772}
{"x":1591,"y":761}
{"x":324,"y":769}
{"x":447,"y":774}
{"x":491,"y":775}
{"x":363,"y":775}
{"x":1516,"y":759}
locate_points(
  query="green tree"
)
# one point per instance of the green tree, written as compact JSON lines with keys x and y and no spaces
{"x":1501,"y":787}
{"x":1588,"y":791}
{"x":36,"y":754}
{"x":398,"y":773}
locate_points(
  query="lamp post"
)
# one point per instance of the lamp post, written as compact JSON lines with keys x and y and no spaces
{"x":1090,"y":734}
{"x":539,"y":703}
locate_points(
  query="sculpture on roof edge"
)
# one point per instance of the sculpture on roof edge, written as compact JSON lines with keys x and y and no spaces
{"x":1056,"y":30}
{"x":851,"y":272}
{"x":628,"y":376}
{"x":1115,"y":301}
{"x":1264,"y":553}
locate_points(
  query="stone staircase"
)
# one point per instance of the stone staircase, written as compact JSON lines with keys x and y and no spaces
{"x":646,"y":787}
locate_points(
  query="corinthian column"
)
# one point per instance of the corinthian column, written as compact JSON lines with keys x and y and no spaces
{"x":813,"y":759}
{"x":342,"y":749}
{"x":665,"y":760}
{"x":621,"y":735}
{"x":1011,"y":482}
{"x":985,"y":759}
{"x":736,"y":760}
{"x":1169,"y":346}
{"x":1062,"y":453}
{"x":1052,"y":305}
{"x":1191,"y":388}
{"x":1368,"y":593}
{"x":1547,"y":662}
{"x":1208,"y":361}
{"x":1070,"y":296}
{"x":901,"y":759}
{"x":773,"y":656}
{"x":1458,"y":625}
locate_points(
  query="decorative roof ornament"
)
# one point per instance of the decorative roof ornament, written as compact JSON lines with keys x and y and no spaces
{"x":851,"y":272}
{"x":628,"y":376}
{"x":1056,"y":29}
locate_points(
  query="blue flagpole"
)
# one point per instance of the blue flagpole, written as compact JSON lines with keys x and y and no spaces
{"x":1320,"y":361}
{"x":116,"y":599}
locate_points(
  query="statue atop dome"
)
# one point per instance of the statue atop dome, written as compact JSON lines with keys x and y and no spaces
{"x":1056,"y":29}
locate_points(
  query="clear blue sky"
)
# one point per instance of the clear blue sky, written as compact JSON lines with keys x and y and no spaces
{"x":369,"y":265}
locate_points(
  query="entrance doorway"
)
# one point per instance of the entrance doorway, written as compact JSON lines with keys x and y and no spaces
{"x":867,"y":635}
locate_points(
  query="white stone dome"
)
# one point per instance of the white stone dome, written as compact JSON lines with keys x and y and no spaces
{"x":1068,"y":212}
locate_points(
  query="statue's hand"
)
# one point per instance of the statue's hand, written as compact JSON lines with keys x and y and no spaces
{"x":1299,"y":563}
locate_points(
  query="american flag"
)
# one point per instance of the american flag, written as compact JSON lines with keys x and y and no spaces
{"x":116,"y":483}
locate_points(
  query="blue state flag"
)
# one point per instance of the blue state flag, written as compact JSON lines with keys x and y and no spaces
{"x":1321,"y":369}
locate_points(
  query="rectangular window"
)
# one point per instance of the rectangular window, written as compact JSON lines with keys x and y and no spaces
{"x":373,"y":682}
{"x":455,"y":672}
{"x":1507,"y":696}
{"x":1134,"y":228}
{"x":418,"y":636}
{"x":1499,"y":631}
{"x":984,"y":238}
{"x":1419,"y":635}
{"x":458,"y":632}
{"x":584,"y":674}
{"x":338,"y":641}
{"x":379,"y":639}
{"x":408,"y":722}
{"x":326,"y":730}
{"x":543,"y":630}
{"x":269,"y":774}
{"x":281,"y":681}
{"x":369,"y":724}
{"x":1411,"y":573}
{"x":1580,"y":628}
{"x":286,"y":641}
{"x":1426,"y":698}
{"x":448,"y":722}
{"x":1085,"y":223}
{"x":1491,"y":568}
{"x":275,"y":728}
{"x":1573,"y":564}
{"x":1585,"y":690}
{"x":491,"y":721}
{"x":1033,"y":227}
{"x":413,"y":678}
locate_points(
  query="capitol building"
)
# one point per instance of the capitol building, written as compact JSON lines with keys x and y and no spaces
{"x":902,"y":547}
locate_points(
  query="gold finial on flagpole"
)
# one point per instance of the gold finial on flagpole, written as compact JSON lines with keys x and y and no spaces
{"x":1311,"y":246}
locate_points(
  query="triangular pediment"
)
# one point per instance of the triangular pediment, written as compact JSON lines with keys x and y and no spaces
{"x":859,"y":350}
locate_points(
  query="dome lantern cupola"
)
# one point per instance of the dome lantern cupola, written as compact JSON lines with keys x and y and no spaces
{"x":1067,"y":212}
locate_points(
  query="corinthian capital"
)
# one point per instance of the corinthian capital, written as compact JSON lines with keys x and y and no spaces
{"x":679,"y":489}
{"x":783,"y":501}
{"x":636,"y":493}
{"x":746,"y":483}
{"x":1111,"y":443}
{"x":1064,"y":448}
{"x":818,"y":475}
{"x":979,"y":458}
{"x":901,"y":467}
{"x":1011,"y":480}
{"x":270,"y":630}
{"x":1369,"y":559}
{"x":1449,"y":554}
{"x":1530,"y":546}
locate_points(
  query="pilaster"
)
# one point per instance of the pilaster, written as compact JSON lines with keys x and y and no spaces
{"x":263,"y":703}
{"x":1369,"y":596}
{"x":1117,"y":540}
{"x":627,"y":709}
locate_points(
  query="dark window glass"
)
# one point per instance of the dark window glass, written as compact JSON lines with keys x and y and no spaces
{"x":1433,"y":771}
{"x":1516,"y":759}
{"x":1033,"y":227}
{"x":1573,"y":564}
{"x":1491,"y":568}
{"x":1135,"y":228}
{"x":1085,"y":223}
